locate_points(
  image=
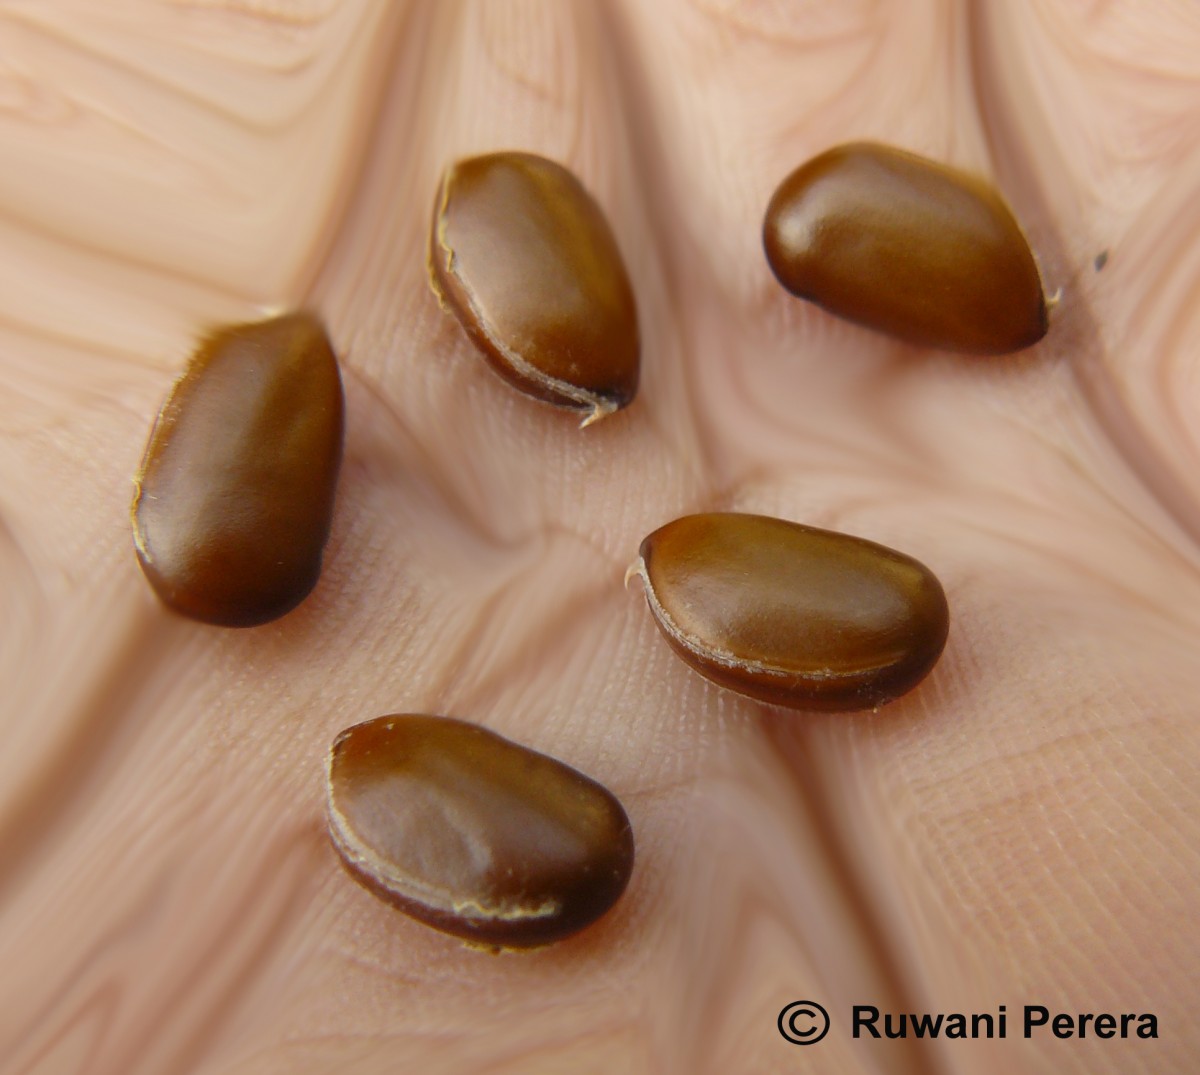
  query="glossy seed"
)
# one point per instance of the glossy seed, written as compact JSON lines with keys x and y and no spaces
{"x":793,"y":615}
{"x":474,"y":835}
{"x":235,"y":494}
{"x":906,"y":246}
{"x":524,"y":258}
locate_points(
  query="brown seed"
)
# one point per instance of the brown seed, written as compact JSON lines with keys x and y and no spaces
{"x":235,"y":494}
{"x":906,"y":246}
{"x":472,"y":834}
{"x":793,"y":615}
{"x":524,"y":258}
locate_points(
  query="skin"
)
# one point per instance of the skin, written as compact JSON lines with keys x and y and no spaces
{"x":1022,"y":828}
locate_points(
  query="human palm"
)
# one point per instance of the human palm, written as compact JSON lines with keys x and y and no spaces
{"x":1020,"y":829}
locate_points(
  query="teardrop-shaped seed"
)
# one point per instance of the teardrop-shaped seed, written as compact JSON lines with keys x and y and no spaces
{"x":906,"y":246}
{"x":235,"y":494}
{"x":473,"y":834}
{"x":793,"y":615}
{"x":525,"y":259}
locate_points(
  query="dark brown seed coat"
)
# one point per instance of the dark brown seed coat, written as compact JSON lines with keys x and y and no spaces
{"x":524,"y":258}
{"x":793,"y":615}
{"x":235,"y":494}
{"x":906,"y":246}
{"x":473,"y":834}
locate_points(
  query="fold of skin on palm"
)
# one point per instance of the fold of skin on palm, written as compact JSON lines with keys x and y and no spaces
{"x":1020,"y":829}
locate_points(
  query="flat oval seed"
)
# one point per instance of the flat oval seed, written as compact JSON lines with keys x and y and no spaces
{"x":524,"y":258}
{"x":472,"y":834}
{"x":235,"y":494}
{"x":793,"y":615}
{"x":906,"y":246}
